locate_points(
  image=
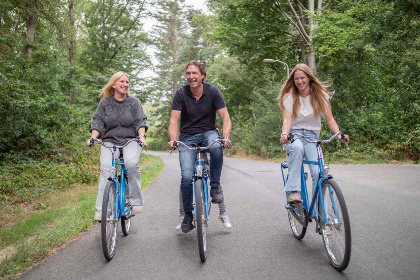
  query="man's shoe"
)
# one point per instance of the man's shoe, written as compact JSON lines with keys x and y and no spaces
{"x":178,"y":227}
{"x":98,"y":216}
{"x":187,"y":224}
{"x":137,"y":209}
{"x":225,"y":221}
{"x":293,"y":197}
{"x":216,"y":195}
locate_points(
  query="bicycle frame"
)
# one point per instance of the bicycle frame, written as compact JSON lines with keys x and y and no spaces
{"x":313,"y":211}
{"x":201,"y":173}
{"x":120,"y":184}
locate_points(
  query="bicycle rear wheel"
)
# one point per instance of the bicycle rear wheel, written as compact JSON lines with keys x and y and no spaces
{"x":109,"y":224}
{"x":336,"y":232}
{"x":201,"y":221}
{"x":126,"y":219}
{"x":298,"y":220}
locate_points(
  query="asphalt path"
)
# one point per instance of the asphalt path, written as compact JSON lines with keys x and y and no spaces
{"x":384,"y":208}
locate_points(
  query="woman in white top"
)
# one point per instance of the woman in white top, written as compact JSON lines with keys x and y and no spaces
{"x":303,"y":100}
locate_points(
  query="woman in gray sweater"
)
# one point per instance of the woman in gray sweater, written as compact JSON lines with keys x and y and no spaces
{"x":119,"y":118}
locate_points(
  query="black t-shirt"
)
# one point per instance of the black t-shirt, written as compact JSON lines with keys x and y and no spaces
{"x":197,"y":116}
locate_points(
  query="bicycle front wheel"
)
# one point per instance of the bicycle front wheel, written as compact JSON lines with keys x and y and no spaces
{"x":335,"y":229}
{"x":126,"y":219}
{"x":201,"y":221}
{"x":109,"y":223}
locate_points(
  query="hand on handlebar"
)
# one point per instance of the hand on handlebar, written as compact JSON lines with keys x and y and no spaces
{"x":226,"y":142}
{"x":171,"y":145}
{"x":344,"y":137}
{"x":89,"y":142}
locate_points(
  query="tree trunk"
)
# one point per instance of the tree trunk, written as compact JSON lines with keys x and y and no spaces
{"x":71,"y":50}
{"x":30,"y":28}
{"x":104,"y":47}
{"x":311,"y":57}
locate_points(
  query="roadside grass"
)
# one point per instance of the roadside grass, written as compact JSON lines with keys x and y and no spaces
{"x":32,"y":232}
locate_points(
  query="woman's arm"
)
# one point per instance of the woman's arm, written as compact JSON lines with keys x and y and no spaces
{"x":287,"y":124}
{"x":332,"y":124}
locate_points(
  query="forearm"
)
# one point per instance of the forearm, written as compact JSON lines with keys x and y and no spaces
{"x":332,"y":124}
{"x":227,"y":127}
{"x":94,"y":134}
{"x":142,"y":131}
{"x":173,"y":130}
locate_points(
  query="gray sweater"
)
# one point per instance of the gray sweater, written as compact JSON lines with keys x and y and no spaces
{"x":118,"y":121}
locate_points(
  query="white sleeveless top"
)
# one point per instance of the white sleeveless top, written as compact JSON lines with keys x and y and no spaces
{"x":306,"y":118}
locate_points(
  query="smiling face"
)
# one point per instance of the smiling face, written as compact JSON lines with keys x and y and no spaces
{"x":121,"y":85}
{"x":301,"y":81}
{"x":194,"y":76}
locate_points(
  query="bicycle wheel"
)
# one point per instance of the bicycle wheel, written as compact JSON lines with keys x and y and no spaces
{"x":201,"y":221}
{"x":298,"y":220}
{"x":108,"y":224}
{"x":335,"y":230}
{"x":126,"y":219}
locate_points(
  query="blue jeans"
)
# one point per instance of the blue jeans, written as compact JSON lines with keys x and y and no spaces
{"x":298,"y":150}
{"x":187,"y":163}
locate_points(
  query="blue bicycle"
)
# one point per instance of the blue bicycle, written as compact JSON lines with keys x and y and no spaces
{"x":327,"y":208}
{"x":115,"y":204}
{"x":201,"y":194}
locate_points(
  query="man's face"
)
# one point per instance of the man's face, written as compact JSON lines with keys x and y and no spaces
{"x":194,"y":76}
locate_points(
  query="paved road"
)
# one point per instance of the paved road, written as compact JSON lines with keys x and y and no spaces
{"x":383,"y":202}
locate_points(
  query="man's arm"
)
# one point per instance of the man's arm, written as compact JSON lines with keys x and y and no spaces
{"x":173,"y":127}
{"x":227,"y":125}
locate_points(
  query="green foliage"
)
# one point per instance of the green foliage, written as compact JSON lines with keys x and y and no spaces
{"x":23,"y":178}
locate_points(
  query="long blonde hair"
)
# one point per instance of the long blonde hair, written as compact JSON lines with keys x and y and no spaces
{"x":317,"y":89}
{"x":108,"y":90}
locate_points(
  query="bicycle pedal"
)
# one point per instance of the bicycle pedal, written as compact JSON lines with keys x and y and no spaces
{"x":130,"y":216}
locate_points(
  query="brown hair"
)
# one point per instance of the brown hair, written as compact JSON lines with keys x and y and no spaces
{"x":316,"y":89}
{"x":108,"y":90}
{"x":199,"y":65}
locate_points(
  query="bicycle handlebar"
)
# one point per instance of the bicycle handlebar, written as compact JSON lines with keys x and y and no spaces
{"x":176,"y":143}
{"x":93,"y":140}
{"x":292,"y":137}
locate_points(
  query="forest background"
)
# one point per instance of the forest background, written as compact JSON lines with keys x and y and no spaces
{"x":56,"y":55}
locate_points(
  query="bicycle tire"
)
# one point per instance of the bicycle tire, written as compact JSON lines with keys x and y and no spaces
{"x":126,"y":222}
{"x":298,"y":229}
{"x":336,"y":234}
{"x":108,"y":224}
{"x":201,"y":221}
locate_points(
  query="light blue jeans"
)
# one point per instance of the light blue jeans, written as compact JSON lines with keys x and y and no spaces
{"x":131,"y":160}
{"x":298,"y":150}
{"x":187,"y":162}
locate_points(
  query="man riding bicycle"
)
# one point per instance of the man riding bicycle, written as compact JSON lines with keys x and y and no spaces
{"x":197,"y":103}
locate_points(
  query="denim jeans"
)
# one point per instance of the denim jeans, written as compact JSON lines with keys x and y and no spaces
{"x":298,"y":150}
{"x":131,"y":160}
{"x":187,"y":162}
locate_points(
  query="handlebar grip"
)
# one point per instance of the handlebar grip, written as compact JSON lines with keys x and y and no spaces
{"x":92,"y":142}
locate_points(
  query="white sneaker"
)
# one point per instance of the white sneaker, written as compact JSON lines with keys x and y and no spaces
{"x":225,"y":221}
{"x":98,"y":216}
{"x":178,"y":227}
{"x":137,"y":209}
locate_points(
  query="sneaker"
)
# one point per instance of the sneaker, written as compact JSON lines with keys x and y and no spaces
{"x":178,"y":227}
{"x":216,"y":195}
{"x":187,"y":224}
{"x":293,"y":197}
{"x":225,"y":221}
{"x":98,"y":216}
{"x":137,"y":209}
